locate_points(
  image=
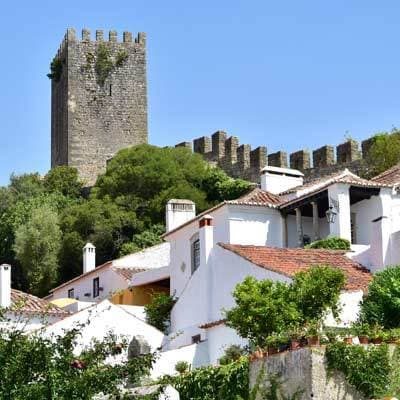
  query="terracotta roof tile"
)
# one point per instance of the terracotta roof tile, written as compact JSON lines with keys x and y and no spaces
{"x":30,"y":304}
{"x":344,"y":176}
{"x":258,"y":197}
{"x":128,"y":273}
{"x":212,"y":324}
{"x":389,"y":177}
{"x":290,"y":261}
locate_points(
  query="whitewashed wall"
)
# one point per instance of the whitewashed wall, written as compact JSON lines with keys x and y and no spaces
{"x":27,"y":322}
{"x":109,"y":280}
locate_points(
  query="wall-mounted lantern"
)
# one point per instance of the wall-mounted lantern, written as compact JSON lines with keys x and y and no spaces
{"x":330,"y":215}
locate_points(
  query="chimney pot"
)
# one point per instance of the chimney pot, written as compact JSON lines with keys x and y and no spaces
{"x":179,"y":211}
{"x":5,"y":285}
{"x":89,"y":257}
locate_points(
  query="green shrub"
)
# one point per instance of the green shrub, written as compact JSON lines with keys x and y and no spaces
{"x":332,"y":243}
{"x":158,"y":312}
{"x":382,"y":303}
{"x":182,"y":367}
{"x":228,"y":382}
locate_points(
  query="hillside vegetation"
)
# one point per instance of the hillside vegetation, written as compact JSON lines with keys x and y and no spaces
{"x":45,"y":221}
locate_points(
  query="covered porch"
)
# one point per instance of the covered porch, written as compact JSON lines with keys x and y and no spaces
{"x":342,"y":210}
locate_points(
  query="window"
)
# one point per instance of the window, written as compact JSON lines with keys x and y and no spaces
{"x":71,"y":293}
{"x":195,"y":255}
{"x":196,"y":339}
{"x":96,"y":287}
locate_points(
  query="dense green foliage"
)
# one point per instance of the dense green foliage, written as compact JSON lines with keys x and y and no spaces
{"x":36,"y":368}
{"x":317,"y":291}
{"x":266,"y":309}
{"x":331,"y":243}
{"x":382,"y":303}
{"x":159,"y":310}
{"x":262,"y":308}
{"x":37,"y":244}
{"x":383,"y":154}
{"x":368,"y":369}
{"x":228,"y":382}
{"x":123,"y":213}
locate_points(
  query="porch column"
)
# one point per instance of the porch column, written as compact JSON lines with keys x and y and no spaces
{"x":315,"y":220}
{"x":339,"y":199}
{"x":299,"y":227}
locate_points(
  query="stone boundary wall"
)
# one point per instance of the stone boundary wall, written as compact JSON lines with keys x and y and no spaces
{"x":240,"y":161}
{"x":304,"y":370}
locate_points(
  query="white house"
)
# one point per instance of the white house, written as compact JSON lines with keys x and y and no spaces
{"x":22,"y":311}
{"x":109,"y":279}
{"x":262,"y":234}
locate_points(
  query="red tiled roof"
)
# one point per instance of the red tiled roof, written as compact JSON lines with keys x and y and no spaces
{"x":127,"y":273}
{"x":212,"y":324}
{"x":389,"y":177}
{"x":290,"y":261}
{"x":344,"y":176}
{"x":30,"y":304}
{"x":258,"y":197}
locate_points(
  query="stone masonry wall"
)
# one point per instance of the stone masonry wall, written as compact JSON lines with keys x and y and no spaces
{"x":91,"y":119}
{"x":239,"y":161}
{"x":303,"y":370}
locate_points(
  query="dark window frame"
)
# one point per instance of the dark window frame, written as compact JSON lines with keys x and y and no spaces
{"x":71,"y":293}
{"x":96,"y":287}
{"x":195,"y":250}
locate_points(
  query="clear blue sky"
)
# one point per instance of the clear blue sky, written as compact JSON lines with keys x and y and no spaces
{"x":286,"y":74}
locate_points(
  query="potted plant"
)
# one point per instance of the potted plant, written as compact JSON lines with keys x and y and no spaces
{"x":363,"y":331}
{"x":295,"y":334}
{"x":330,"y":335}
{"x":313,"y":332}
{"x":377,"y":334}
{"x":274,"y":343}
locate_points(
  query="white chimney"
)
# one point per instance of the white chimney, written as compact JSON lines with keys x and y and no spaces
{"x":276,"y":180}
{"x":89,"y":258}
{"x":5,"y":285}
{"x":206,"y":237}
{"x":179,"y":211}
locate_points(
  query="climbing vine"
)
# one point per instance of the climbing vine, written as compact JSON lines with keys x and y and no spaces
{"x":368,"y":369}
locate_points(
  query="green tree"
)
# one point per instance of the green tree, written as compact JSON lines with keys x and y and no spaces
{"x":140,"y":241}
{"x":219,"y":186}
{"x":262,"y":309}
{"x":317,"y":291}
{"x":382,"y":303}
{"x":25,"y":186}
{"x":383,"y":154}
{"x":103,"y":223}
{"x":63,"y":180}
{"x":37,"y":244}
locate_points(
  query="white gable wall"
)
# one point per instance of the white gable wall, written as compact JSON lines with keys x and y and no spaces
{"x":109,"y":280}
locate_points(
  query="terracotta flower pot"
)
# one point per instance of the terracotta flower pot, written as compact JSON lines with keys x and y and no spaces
{"x":313,"y":341}
{"x":377,"y":340}
{"x":295,"y":344}
{"x":363,"y":339}
{"x":348,"y":340}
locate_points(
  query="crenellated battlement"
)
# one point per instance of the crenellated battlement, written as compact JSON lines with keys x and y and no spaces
{"x":242,"y":162}
{"x":99,"y":37}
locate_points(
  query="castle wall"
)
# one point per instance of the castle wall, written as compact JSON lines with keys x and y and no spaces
{"x":94,"y":113}
{"x":239,"y":161}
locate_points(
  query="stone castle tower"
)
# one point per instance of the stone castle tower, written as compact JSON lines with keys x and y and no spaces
{"x":98,"y":100}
